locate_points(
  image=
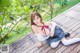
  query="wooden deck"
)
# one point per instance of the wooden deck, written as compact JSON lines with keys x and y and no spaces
{"x":69,"y":21}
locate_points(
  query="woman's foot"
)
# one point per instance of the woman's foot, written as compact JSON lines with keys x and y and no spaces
{"x":67,"y":34}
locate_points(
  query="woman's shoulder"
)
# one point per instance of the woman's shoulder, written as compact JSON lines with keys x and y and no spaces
{"x":33,"y":26}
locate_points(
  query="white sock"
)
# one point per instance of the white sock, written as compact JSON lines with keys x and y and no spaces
{"x":71,"y":41}
{"x":55,"y":44}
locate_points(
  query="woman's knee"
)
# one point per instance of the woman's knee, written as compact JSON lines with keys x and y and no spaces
{"x":53,"y":45}
{"x":65,"y":42}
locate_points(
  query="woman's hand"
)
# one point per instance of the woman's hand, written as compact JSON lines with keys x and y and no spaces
{"x":52,"y":34}
{"x":39,"y":44}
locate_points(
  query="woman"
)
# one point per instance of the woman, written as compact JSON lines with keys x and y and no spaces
{"x":49,"y":32}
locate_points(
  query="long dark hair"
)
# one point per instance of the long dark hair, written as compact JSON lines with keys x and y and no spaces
{"x":33,"y":17}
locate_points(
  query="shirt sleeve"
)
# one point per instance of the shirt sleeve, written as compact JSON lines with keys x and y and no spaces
{"x":53,"y":24}
{"x":41,"y":37}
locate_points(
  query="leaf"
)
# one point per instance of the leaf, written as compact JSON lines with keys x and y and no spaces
{"x":3,"y":4}
{"x":26,"y":9}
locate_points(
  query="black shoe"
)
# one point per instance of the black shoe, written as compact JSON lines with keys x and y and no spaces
{"x":67,"y":34}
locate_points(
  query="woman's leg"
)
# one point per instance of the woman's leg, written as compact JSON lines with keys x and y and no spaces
{"x":70,"y":41}
{"x":54,"y":44}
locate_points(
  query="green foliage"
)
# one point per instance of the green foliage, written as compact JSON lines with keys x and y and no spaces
{"x":4,"y":4}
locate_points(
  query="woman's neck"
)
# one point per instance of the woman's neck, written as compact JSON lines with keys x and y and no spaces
{"x":40,"y":24}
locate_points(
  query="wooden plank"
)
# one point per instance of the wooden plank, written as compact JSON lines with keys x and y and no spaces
{"x":74,"y":27}
{"x":71,"y":28}
{"x":24,"y":44}
{"x":77,"y":16}
{"x":79,"y":51}
{"x":77,"y":8}
{"x":70,"y":48}
{"x":14,"y":48}
{"x":30,"y":46}
{"x":39,"y":50}
{"x":70,"y":13}
{"x":46,"y":50}
{"x":52,"y":50}
{"x":22,"y":52}
{"x":31,"y":51}
{"x":20,"y":41}
{"x":60,"y":19}
{"x":27,"y":45}
{"x":20,"y":49}
{"x":75,"y":50}
{"x":66,"y":20}
{"x":69,"y":23}
{"x":74,"y":16}
{"x":18,"y":45}
{"x":64,"y":23}
{"x":13,"y":51}
{"x":36,"y":48}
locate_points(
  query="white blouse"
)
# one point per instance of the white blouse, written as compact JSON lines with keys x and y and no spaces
{"x":44,"y":37}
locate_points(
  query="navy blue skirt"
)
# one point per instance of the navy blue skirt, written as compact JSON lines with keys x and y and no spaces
{"x":58,"y":35}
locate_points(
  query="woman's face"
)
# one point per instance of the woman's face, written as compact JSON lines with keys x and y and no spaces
{"x":36,"y":20}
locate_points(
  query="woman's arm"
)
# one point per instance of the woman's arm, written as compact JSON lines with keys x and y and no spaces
{"x":39,"y":44}
{"x":34,"y":30}
{"x":52,"y":24}
{"x":53,"y":28}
